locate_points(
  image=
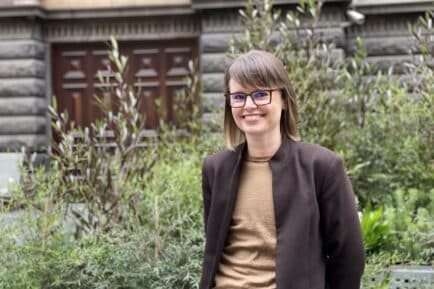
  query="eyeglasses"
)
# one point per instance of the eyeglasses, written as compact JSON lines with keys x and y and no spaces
{"x":259,"y":97}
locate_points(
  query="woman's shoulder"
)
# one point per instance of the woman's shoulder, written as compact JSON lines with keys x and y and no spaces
{"x":220,"y":154}
{"x":219,"y":158}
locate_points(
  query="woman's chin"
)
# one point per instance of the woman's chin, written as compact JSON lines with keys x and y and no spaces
{"x":254,"y":131}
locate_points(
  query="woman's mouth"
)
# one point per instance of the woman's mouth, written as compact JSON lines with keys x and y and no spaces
{"x":252,"y":116}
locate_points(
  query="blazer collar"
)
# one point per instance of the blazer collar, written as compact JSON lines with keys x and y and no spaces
{"x":285,"y":150}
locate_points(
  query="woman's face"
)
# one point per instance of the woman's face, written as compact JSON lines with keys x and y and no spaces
{"x":257,"y":121}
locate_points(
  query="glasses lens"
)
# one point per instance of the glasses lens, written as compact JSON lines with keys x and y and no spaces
{"x":261,"y":97}
{"x":237,"y":99}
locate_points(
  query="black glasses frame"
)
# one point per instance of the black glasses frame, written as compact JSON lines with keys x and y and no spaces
{"x":228,"y":97}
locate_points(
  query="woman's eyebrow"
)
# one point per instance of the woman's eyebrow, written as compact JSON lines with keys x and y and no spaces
{"x":240,"y":91}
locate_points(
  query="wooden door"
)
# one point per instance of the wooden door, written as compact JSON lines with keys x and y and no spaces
{"x":156,"y":68}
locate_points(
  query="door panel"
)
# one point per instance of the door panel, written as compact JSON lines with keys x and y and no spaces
{"x":155,"y":68}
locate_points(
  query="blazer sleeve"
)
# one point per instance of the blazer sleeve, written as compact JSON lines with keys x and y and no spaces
{"x":206,"y":192}
{"x":341,"y":229}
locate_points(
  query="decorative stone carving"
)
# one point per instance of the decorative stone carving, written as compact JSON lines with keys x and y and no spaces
{"x":392,"y":6}
{"x":14,"y":30}
{"x":332,"y":15}
{"x":227,"y":21}
{"x":145,"y":28}
{"x":379,"y":26}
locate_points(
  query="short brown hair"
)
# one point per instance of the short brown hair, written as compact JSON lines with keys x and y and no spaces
{"x":260,"y":69}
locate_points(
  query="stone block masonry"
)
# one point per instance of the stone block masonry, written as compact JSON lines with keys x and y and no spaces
{"x":23,"y":103}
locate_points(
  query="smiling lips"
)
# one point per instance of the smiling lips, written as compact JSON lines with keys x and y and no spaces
{"x":252,"y":117}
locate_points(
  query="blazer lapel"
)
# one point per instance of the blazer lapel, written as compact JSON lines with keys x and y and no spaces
{"x":233,"y":183}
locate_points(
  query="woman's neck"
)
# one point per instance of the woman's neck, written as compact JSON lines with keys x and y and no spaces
{"x":263,"y":146}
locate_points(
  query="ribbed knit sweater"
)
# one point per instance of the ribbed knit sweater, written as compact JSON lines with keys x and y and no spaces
{"x":248,"y":259}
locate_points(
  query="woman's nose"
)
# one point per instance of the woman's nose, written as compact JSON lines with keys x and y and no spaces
{"x":249,"y":103}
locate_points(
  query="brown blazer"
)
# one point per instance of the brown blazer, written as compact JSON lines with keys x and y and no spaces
{"x":319,"y":241}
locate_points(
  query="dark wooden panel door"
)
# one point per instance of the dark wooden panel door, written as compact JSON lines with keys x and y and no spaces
{"x":156,"y":69}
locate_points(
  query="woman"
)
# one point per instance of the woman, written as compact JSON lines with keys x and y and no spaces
{"x":279,"y":213}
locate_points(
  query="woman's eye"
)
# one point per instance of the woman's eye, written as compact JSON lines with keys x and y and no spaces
{"x":260,"y":94}
{"x":238,"y":96}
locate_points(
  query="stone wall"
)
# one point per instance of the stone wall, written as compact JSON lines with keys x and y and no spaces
{"x":23,"y":86}
{"x":386,"y":38}
{"x":25,"y":41}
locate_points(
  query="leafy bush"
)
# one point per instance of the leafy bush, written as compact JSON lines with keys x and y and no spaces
{"x":115,"y":209}
{"x":375,"y":229}
{"x":381,"y":124}
{"x":163,"y":249}
{"x":411,"y":219}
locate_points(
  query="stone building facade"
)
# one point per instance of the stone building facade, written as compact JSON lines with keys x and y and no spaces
{"x":55,"y":47}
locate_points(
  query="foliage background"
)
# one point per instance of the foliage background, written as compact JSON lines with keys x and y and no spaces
{"x":116,"y":209}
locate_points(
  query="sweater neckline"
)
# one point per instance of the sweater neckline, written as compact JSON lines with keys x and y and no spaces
{"x":257,"y":159}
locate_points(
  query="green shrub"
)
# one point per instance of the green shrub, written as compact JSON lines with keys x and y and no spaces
{"x":161,"y":250}
{"x":411,"y":219}
{"x":381,"y":124}
{"x":139,"y":220}
{"x":376,"y":274}
{"x":375,"y":229}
